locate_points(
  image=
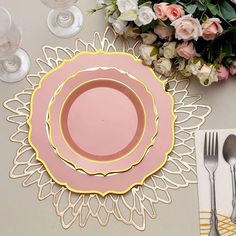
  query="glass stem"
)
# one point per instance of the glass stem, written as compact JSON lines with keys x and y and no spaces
{"x":65,"y":18}
{"x":11,"y":64}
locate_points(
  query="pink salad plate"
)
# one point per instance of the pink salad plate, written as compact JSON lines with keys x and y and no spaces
{"x":76,"y":180}
{"x":102,"y":121}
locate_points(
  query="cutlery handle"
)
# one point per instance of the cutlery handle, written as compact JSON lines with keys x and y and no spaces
{"x":233,"y":215}
{"x":213,"y":219}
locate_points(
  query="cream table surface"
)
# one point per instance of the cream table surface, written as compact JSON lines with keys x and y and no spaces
{"x":21,"y":213}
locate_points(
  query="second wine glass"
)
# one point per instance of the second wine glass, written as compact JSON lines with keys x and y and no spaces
{"x":14,"y":61}
{"x":65,"y":19}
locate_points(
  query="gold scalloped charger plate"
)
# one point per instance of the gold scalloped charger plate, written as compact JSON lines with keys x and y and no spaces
{"x":102,"y":121}
{"x":79,"y":181}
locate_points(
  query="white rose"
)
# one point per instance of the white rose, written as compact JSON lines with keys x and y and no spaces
{"x":163,"y":66}
{"x":161,"y":52}
{"x":234,"y":1}
{"x":127,"y":5}
{"x":145,"y":16}
{"x":195,"y":67}
{"x":149,"y":38}
{"x":186,"y":71}
{"x":169,"y":50}
{"x":207,"y":75}
{"x":119,"y":25}
{"x":184,"y":68}
{"x":148,"y":53}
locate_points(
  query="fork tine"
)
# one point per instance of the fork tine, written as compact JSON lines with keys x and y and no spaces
{"x":216,"y":146}
{"x":213,"y":144}
{"x":205,"y":144}
{"x":209,"y":144}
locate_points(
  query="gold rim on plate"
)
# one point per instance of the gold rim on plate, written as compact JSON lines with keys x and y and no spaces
{"x":109,"y":161}
{"x":38,"y":157}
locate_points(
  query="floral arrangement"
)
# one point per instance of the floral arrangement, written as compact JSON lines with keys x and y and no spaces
{"x":192,"y":37}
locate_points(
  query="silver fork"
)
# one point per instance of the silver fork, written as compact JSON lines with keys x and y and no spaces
{"x":211,"y":164}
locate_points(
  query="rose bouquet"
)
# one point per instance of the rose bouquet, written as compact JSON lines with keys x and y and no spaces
{"x":191,"y":37}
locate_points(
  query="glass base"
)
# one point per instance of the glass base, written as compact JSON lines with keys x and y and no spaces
{"x":11,"y":73}
{"x":65,"y":24}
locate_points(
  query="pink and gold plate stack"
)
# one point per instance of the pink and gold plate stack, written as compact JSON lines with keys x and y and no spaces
{"x":101,"y":122}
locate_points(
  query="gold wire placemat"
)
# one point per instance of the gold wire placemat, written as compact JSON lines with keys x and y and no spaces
{"x":131,"y":208}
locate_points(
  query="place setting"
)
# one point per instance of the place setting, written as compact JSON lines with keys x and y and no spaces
{"x":109,"y":127}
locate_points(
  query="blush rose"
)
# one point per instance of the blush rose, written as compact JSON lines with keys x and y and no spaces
{"x":187,"y":28}
{"x":174,"y":12}
{"x":160,"y":10}
{"x":222,"y":73}
{"x":211,"y":29}
{"x":164,"y":32}
{"x":186,"y":50}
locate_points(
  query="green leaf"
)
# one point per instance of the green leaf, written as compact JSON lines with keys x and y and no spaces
{"x":213,"y":9}
{"x":191,"y":8}
{"x":227,"y":11}
{"x":227,"y":48}
{"x":130,"y":15}
{"x":151,"y":26}
{"x":140,"y":2}
{"x":154,"y":52}
{"x":169,"y":1}
{"x":206,"y":82}
{"x":228,"y":61}
{"x":232,"y":36}
{"x":146,"y":4}
{"x":167,"y":87}
{"x":201,"y":7}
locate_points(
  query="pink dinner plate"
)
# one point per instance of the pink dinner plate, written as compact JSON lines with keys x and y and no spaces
{"x":102,"y":121}
{"x":78,"y":181}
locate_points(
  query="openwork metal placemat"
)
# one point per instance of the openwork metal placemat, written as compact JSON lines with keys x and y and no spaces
{"x":131,"y":208}
{"x":225,"y":225}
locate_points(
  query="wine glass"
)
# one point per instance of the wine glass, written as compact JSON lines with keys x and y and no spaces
{"x":14,"y":62}
{"x":65,"y":19}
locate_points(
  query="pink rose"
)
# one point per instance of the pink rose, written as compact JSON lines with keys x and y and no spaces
{"x":164,"y":32}
{"x":160,"y":10}
{"x":187,"y":28}
{"x":232,"y":68}
{"x":211,"y":28}
{"x":222,"y":73}
{"x":186,"y":50}
{"x":174,"y":12}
